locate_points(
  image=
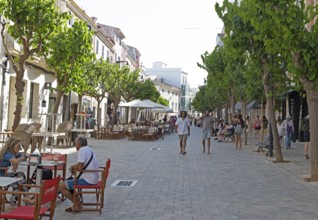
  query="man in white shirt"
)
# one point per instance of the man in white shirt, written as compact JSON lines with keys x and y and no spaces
{"x":182,"y":127}
{"x":86,"y":157}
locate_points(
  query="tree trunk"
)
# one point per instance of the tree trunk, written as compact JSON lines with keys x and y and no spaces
{"x":79,"y":117}
{"x":116,"y":103}
{"x":271,"y":111}
{"x":312,"y":98}
{"x":19,"y":86}
{"x":59,"y":95}
{"x":98,"y":114}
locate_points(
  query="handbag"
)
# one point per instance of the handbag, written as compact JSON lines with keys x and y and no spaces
{"x":71,"y":177}
{"x":47,"y":174}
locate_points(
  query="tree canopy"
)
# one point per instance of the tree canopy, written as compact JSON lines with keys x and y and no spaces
{"x":31,"y":23}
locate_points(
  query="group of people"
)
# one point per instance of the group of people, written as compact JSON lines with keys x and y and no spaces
{"x":10,"y":157}
{"x":235,"y":130}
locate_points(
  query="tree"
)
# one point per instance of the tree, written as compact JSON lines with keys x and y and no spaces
{"x":31,"y":23}
{"x":163,"y":101}
{"x":120,"y":79}
{"x":99,"y":73}
{"x":147,"y":90}
{"x":248,"y":26}
{"x":296,"y":39}
{"x":203,"y":100}
{"x":70,"y":58}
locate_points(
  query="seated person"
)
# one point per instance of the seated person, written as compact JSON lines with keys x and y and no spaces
{"x":10,"y":156}
{"x":86,"y":158}
{"x":228,"y":132}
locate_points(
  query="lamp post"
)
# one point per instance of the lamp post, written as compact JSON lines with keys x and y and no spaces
{"x":122,"y":61}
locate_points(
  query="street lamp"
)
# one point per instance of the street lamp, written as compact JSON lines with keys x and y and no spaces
{"x":122,"y":61}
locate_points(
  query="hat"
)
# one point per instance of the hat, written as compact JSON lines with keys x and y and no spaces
{"x":288,"y":116}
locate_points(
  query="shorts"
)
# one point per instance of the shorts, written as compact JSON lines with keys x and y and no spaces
{"x":183,"y":137}
{"x":206,"y":134}
{"x":306,"y":136}
{"x":79,"y":182}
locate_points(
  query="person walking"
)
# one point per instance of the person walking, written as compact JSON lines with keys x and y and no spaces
{"x":207,"y":128}
{"x":247,"y":129}
{"x":288,"y":126}
{"x":182,"y":127}
{"x":264,"y":128}
{"x":238,"y":124}
{"x":305,"y":128}
{"x":86,"y":158}
{"x":257,"y":126}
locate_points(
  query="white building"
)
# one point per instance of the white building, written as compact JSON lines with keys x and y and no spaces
{"x":37,"y":97}
{"x":176,"y":78}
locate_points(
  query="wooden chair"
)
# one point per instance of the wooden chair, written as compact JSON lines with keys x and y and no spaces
{"x":64,"y":127}
{"x":115,"y":132}
{"x":149,"y":135}
{"x":24,"y":132}
{"x":44,"y":202}
{"x":98,"y":134}
{"x":97,"y":190}
{"x":37,"y":141}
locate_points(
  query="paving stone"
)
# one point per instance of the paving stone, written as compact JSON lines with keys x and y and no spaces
{"x":228,"y":184}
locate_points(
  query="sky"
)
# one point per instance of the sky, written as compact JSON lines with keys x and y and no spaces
{"x":175,"y":32}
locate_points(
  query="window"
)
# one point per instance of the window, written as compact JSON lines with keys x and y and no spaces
{"x":103,"y":52}
{"x":97,"y":45}
{"x":31,"y":100}
{"x":34,"y":100}
{"x":162,"y":90}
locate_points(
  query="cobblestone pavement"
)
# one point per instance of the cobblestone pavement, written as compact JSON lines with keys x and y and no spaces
{"x":227,"y":184}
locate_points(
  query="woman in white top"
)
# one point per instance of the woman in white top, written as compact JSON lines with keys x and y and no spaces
{"x":280,"y":130}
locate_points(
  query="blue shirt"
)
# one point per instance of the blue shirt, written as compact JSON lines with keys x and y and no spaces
{"x":5,"y":162}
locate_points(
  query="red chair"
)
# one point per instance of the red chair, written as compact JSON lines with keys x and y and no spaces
{"x":97,"y":190}
{"x":44,"y":202}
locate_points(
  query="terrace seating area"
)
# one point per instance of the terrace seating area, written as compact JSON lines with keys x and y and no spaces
{"x":133,"y":132}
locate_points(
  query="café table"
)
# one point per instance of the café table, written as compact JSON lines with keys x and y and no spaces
{"x":81,"y":132}
{"x":45,"y":135}
{"x":6,"y":181}
{"x":44,"y":163}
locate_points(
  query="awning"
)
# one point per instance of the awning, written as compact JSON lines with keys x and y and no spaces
{"x":253,"y":105}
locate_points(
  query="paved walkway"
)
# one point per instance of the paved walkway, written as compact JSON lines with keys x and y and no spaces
{"x":228,"y":184}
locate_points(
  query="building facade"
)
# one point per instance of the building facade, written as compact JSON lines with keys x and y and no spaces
{"x":176,"y":78}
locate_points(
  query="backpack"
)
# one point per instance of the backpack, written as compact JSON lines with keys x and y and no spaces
{"x":238,"y":129}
